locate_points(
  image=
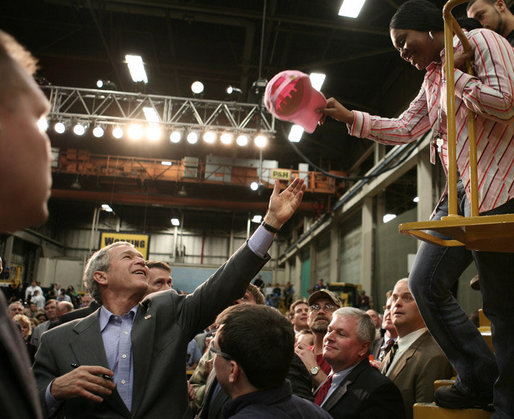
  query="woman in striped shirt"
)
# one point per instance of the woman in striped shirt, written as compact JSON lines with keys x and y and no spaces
{"x":417,"y":33}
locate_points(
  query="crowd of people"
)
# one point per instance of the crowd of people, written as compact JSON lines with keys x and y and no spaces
{"x":125,"y":353}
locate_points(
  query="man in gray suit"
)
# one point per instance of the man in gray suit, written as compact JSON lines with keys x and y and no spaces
{"x":25,"y":181}
{"x":127,"y":359}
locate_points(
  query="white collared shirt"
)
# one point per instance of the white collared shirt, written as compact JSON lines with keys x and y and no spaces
{"x":404,"y":343}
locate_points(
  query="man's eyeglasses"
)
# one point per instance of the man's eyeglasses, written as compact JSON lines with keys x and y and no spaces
{"x":325,"y":307}
{"x":215,"y":351}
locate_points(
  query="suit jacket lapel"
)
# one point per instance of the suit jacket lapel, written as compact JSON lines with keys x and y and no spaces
{"x":88,"y":348}
{"x":402,"y":361}
{"x":142,"y":348}
{"x":341,"y":390}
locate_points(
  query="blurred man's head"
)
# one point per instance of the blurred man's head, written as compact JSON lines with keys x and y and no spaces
{"x":348,"y":339}
{"x":15,"y":308}
{"x":299,"y":313}
{"x":253,"y":348}
{"x":375,"y":317}
{"x":85,"y":300}
{"x":160,"y":277}
{"x":63,"y":307}
{"x":387,"y":322}
{"x":51,"y":309}
{"x":404,"y":310}
{"x":252,"y":295}
{"x":25,"y":176}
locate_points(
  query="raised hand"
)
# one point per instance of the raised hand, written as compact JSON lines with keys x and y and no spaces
{"x":282,"y":205}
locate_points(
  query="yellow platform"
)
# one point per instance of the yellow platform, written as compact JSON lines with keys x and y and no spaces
{"x":443,"y":383}
{"x":492,"y":233}
{"x":483,"y":321}
{"x":431,"y":411}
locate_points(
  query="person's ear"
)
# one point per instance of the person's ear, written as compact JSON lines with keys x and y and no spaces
{"x":100,"y":277}
{"x":235,"y":372}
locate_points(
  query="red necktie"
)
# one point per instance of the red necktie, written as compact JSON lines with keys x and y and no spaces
{"x":322,"y":392}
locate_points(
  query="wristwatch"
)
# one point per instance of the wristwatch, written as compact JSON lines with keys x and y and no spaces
{"x":314,"y":370}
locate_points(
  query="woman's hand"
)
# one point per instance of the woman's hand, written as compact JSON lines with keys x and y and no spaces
{"x":336,"y":111}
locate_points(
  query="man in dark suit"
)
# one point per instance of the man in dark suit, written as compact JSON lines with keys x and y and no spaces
{"x":25,"y":181}
{"x":128,"y":358}
{"x":355,"y":389}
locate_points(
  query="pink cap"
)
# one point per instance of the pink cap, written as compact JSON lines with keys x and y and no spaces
{"x":289,"y":96}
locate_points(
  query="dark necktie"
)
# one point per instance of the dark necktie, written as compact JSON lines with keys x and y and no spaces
{"x":389,"y":358}
{"x":322,"y":392}
{"x":385,"y":350}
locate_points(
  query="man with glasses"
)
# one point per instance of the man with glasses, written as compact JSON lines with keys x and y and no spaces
{"x":251,"y":364}
{"x":321,"y":306}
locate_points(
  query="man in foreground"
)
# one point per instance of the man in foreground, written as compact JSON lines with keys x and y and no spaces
{"x":251,"y":364}
{"x":128,"y":358}
{"x":25,"y":180}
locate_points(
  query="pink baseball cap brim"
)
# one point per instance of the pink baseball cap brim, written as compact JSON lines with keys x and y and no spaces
{"x":289,"y":96}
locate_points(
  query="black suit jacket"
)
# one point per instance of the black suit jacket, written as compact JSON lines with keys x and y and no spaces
{"x":18,"y":395}
{"x":164,"y":324}
{"x":365,"y":393}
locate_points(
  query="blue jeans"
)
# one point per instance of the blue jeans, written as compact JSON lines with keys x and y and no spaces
{"x":435,"y":271}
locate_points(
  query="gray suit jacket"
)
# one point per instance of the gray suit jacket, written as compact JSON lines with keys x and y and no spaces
{"x":164,"y":324}
{"x":18,"y":395}
{"x":417,"y":369}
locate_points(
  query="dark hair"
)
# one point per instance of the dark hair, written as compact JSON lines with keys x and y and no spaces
{"x":418,"y":15}
{"x":260,"y":340}
{"x":487,"y":1}
{"x":159,"y":265}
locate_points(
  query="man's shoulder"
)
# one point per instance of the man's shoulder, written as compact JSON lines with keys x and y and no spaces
{"x":62,"y":331}
{"x":369,"y":377}
{"x":426,"y":346}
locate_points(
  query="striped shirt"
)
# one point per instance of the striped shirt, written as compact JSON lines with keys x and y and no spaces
{"x":489,"y":94}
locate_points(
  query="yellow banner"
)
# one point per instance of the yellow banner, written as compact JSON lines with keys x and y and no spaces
{"x":280,"y":174}
{"x":140,"y":241}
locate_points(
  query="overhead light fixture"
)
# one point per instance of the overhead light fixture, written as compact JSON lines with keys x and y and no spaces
{"x":105,"y":84}
{"x":197,"y":87}
{"x":209,"y":137}
{"x":254,"y":186}
{"x":79,"y":129}
{"x":42,"y":124}
{"x":257,"y":219}
{"x":261,"y":141}
{"x":295,"y":135}
{"x":317,"y":80}
{"x":117,"y":132}
{"x":59,"y":127}
{"x":175,"y":136}
{"x":351,"y":8}
{"x":166,"y":163}
{"x":232,"y":89}
{"x":98,"y":131}
{"x":136,"y":68}
{"x":226,"y":138}
{"x":192,"y":137}
{"x":107,"y":208}
{"x":153,"y":132}
{"x":388,"y":217}
{"x":415,"y":199}
{"x":242,"y":140}
{"x":135,"y":131}
{"x":175,"y":222}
